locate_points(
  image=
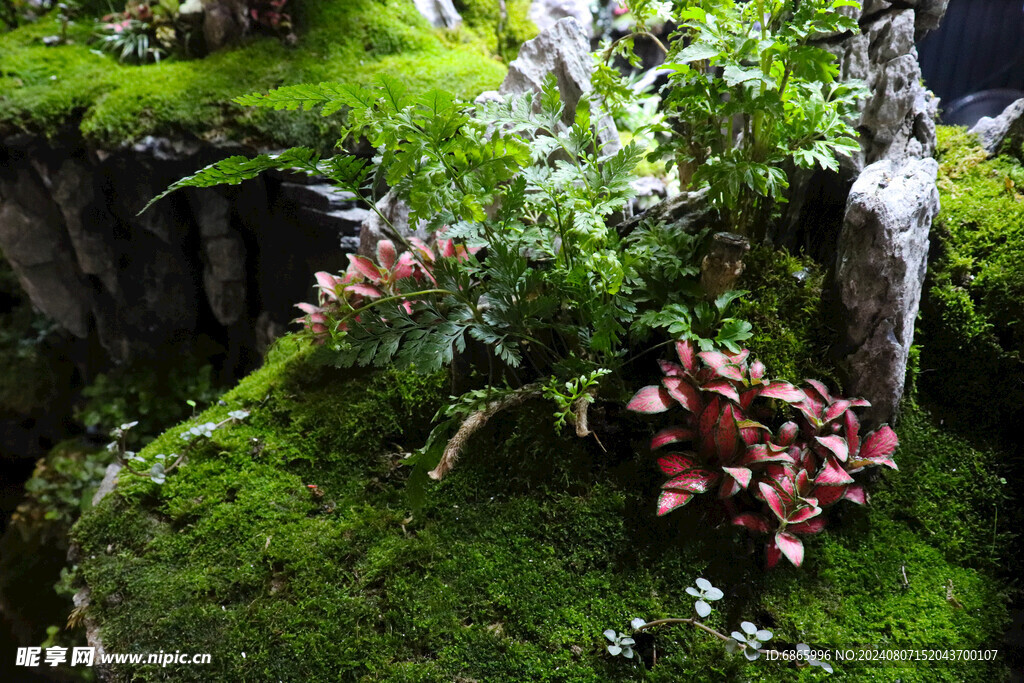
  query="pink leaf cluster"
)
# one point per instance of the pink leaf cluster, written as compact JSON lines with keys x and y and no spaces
{"x":776,"y":482}
{"x":366,"y":280}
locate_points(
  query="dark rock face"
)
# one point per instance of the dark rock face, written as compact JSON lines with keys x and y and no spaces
{"x":212,"y":263}
{"x":880,"y":269}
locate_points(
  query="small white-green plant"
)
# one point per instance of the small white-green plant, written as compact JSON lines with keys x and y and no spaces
{"x":621,"y":644}
{"x":748,"y":640}
{"x":703,"y":592}
{"x":163,"y":464}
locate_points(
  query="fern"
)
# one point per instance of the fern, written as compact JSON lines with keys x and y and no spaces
{"x":234,"y":170}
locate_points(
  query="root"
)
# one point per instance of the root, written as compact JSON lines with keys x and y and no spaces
{"x":474,"y":422}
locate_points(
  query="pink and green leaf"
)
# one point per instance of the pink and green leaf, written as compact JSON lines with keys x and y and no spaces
{"x":684,"y":393}
{"x":856,"y":494}
{"x":790,"y":546}
{"x":687,"y":355}
{"x":727,"y":437}
{"x":773,"y":499}
{"x":365,"y":266}
{"x":671,"y":435}
{"x":880,"y":443}
{"x":757,"y":371}
{"x":811,"y":526}
{"x":670,"y":369}
{"x":670,"y":500}
{"x":724,"y":388}
{"x":760,"y":453}
{"x":851,"y":427}
{"x":836,"y":409}
{"x":364,"y":289}
{"x":752,"y":521}
{"x":649,"y":400}
{"x":693,"y":481}
{"x":387,"y":255}
{"x":673,"y":464}
{"x":833,"y":474}
{"x":836,"y":445}
{"x":741,"y":474}
{"x":784,"y":391}
{"x":803,"y":514}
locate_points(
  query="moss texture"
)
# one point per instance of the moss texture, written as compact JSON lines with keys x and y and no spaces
{"x":47,"y":89}
{"x":972,"y":332}
{"x":531,"y":548}
{"x":788,"y":314}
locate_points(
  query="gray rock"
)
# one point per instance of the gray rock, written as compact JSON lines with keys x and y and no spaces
{"x":1008,"y":126}
{"x":108,"y":484}
{"x":880,"y":269}
{"x":224,"y":22}
{"x":564,"y":50}
{"x":374,"y":229}
{"x":927,"y":13}
{"x":545,"y":13}
{"x":319,"y":196}
{"x":440,"y":13}
{"x":224,"y":277}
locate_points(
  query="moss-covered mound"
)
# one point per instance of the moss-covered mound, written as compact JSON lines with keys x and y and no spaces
{"x":43,"y":89}
{"x":972,"y":330}
{"x":519,"y":560}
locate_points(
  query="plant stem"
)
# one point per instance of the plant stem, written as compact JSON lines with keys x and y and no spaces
{"x":694,"y":622}
{"x":608,"y":52}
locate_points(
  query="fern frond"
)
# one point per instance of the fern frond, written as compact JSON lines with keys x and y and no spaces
{"x":234,"y":170}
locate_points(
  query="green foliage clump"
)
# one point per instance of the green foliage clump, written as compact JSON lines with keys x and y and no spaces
{"x":61,"y":486}
{"x":972,"y":328}
{"x":157,"y":397}
{"x":753,"y":66}
{"x":510,"y":571}
{"x":45,"y":89}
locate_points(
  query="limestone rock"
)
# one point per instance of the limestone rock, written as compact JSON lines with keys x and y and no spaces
{"x":545,"y":13}
{"x":108,"y":484}
{"x":880,"y":269}
{"x":564,"y":50}
{"x":1009,"y":125}
{"x":440,"y":13}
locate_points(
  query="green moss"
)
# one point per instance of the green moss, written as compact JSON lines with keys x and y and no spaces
{"x":519,"y":560}
{"x":502,"y":35}
{"x":46,"y":89}
{"x":972,"y":329}
{"x":787,"y":312}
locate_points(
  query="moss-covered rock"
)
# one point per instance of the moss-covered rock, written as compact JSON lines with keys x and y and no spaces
{"x":519,"y":559}
{"x":47,"y":89}
{"x":972,"y":330}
